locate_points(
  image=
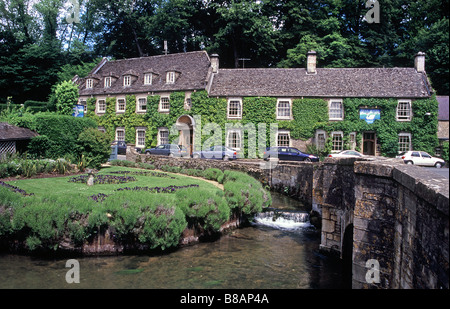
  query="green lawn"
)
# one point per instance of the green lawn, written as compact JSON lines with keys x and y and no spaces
{"x":61,"y":186}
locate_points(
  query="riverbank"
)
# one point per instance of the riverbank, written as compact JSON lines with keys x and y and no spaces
{"x":124,"y":219}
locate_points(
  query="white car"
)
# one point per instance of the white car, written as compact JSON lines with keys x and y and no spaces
{"x":421,"y":158}
{"x":346,"y":154}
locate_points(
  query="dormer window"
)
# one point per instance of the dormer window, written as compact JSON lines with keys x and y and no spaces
{"x":170,"y":77}
{"x":147,"y":78}
{"x":107,"y":82}
{"x":127,"y":81}
{"x":89,"y":83}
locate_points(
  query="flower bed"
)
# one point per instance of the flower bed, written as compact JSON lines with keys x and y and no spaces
{"x":103,"y":179}
{"x":15,"y":189}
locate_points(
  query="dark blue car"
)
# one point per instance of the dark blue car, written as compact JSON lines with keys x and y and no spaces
{"x":289,"y":153}
{"x":170,"y":150}
{"x":216,"y":152}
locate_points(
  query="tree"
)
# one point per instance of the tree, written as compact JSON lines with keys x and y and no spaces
{"x":66,"y":94}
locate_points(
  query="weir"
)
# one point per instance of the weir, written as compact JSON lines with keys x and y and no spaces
{"x":370,"y":209}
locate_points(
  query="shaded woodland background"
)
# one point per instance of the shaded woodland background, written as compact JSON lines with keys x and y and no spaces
{"x":39,"y":48}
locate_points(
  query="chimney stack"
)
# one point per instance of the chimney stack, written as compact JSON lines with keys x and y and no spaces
{"x":311,"y":58}
{"x":419,"y":62}
{"x":215,"y":63}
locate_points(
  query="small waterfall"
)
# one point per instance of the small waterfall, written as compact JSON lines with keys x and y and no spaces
{"x":283,"y":219}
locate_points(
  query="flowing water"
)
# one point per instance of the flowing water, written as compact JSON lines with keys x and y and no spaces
{"x":279,"y":251}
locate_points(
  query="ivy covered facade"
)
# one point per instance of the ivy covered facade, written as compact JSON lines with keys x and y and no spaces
{"x":153,"y":100}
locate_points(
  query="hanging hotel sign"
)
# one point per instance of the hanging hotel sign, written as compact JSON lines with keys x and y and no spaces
{"x":369,"y":115}
{"x":78,"y":111}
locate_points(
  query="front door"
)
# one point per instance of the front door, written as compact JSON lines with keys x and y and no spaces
{"x":369,"y":143}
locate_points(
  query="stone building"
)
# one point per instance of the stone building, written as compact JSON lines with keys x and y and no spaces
{"x":190,"y":72}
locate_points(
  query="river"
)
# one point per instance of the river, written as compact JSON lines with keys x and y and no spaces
{"x":256,"y":257}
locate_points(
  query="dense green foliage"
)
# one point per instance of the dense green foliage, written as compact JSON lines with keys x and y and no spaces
{"x":41,"y":48}
{"x":61,"y":131}
{"x":66,"y":94}
{"x":94,"y":146}
{"x":156,"y":220}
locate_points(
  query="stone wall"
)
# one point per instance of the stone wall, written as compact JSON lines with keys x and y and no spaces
{"x":401,"y":221}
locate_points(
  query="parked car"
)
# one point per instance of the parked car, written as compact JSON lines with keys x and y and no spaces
{"x":346,"y":154}
{"x":289,"y":153}
{"x":216,"y":152}
{"x":170,"y":150}
{"x":121,"y":147}
{"x":421,"y":158}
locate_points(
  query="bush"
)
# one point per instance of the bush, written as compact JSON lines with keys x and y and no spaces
{"x":94,"y":146}
{"x":39,"y":146}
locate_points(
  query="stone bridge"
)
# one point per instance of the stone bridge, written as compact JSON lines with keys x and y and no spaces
{"x":388,"y":220}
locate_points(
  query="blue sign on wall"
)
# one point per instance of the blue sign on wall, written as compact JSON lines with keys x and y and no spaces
{"x":78,"y":111}
{"x":369,"y":115}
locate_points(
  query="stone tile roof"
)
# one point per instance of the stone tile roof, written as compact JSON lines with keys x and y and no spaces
{"x":192,"y":72}
{"x":338,"y":82}
{"x":9,"y":132}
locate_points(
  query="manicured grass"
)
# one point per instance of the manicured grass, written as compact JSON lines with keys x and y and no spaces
{"x":61,"y":186}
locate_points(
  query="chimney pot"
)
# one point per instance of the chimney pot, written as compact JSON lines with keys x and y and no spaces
{"x":311,"y":59}
{"x":215,"y":63}
{"x":419,"y":62}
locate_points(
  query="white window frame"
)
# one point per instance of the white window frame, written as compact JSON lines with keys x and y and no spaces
{"x":148,"y":79}
{"x":89,"y":83}
{"x":108,"y":82}
{"x":400,"y":142}
{"x":170,"y":77}
{"x":127,"y":80}
{"x":97,"y":106}
{"x":163,"y":100}
{"x":331,"y":109}
{"x":404,"y":114}
{"x":122,"y":136}
{"x":160,"y":140}
{"x":318,"y":133}
{"x":237,"y":142}
{"x":283,"y":132}
{"x":334,"y":143}
{"x":284,"y":117}
{"x":239,"y":110}
{"x":139,"y":105}
{"x":119,"y":110}
{"x":140,"y":139}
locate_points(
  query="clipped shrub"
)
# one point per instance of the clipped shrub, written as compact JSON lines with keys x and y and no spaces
{"x":206,"y":208}
{"x":39,"y":146}
{"x":94,"y":147}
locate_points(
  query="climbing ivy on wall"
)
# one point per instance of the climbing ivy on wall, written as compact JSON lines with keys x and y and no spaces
{"x":423,"y":126}
{"x":310,"y":114}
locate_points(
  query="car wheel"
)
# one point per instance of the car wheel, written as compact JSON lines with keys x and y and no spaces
{"x":147,"y":152}
{"x":409,"y":162}
{"x":226,"y":158}
{"x":438,"y":164}
{"x":196,"y":156}
{"x":170,"y":155}
{"x":307,"y":160}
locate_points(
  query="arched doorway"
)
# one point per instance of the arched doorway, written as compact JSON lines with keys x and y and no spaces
{"x":185,"y":125}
